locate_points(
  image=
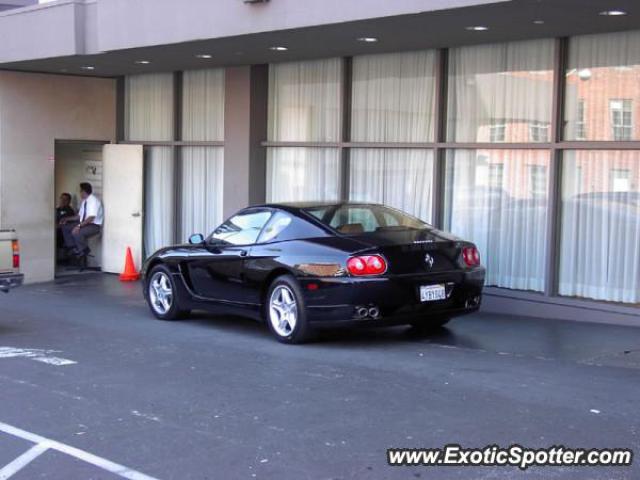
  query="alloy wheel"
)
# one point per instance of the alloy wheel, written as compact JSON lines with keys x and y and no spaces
{"x":160,"y":293}
{"x":283,"y":310}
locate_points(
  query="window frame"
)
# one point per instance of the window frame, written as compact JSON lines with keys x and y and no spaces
{"x":620,"y":130}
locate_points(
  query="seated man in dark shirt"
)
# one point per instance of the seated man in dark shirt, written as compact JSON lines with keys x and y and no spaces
{"x":63,"y":210}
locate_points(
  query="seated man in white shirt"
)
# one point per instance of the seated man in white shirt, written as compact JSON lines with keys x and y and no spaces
{"x":77,"y":229}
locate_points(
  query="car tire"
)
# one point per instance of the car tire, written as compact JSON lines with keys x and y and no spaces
{"x":430,"y":324}
{"x":161,"y":293}
{"x":285,"y":312}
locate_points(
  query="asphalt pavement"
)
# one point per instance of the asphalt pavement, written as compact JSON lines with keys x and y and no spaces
{"x":93,"y":387}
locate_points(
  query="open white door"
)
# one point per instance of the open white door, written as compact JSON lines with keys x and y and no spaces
{"x":122,"y":190}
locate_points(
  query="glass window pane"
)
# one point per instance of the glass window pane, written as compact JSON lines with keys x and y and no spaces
{"x":602,"y":89}
{"x":497,"y":92}
{"x":393,"y":97}
{"x":400,"y":178}
{"x":298,"y":174}
{"x":242,"y":229}
{"x":201,"y":190}
{"x":203,"y":105}
{"x":159,"y":198}
{"x":498,"y":200}
{"x":149,"y":107}
{"x":600,"y":237}
{"x":304,"y":101}
{"x":357,"y":219}
{"x":278,"y":224}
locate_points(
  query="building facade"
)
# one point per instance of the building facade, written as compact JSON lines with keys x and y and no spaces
{"x":494,"y":120}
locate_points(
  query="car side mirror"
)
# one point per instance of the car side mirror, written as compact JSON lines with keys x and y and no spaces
{"x":196,"y":239}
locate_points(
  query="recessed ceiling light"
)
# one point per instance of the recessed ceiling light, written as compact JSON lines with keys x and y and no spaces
{"x":143,"y":62}
{"x":279,"y":49}
{"x":612,"y":13}
{"x":368,"y":39}
{"x":538,"y":22}
{"x":477,"y":28}
{"x":204,"y":55}
{"x":88,"y":67}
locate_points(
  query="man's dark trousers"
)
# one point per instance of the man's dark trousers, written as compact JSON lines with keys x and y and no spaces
{"x":78,"y":241}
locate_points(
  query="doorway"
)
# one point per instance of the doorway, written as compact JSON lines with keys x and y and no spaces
{"x":76,"y":161}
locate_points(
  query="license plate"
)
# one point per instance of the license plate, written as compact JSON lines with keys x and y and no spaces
{"x":431,"y":293}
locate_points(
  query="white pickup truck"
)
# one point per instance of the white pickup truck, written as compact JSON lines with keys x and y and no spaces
{"x":10,"y":275}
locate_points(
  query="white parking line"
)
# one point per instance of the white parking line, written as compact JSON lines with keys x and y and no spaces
{"x":23,"y":460}
{"x":37,"y":354}
{"x":43,"y":444}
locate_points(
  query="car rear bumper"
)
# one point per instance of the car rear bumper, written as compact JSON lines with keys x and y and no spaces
{"x":394,"y":299}
{"x":10,"y":280}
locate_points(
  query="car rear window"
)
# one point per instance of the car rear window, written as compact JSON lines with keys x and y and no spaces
{"x":358,"y":219}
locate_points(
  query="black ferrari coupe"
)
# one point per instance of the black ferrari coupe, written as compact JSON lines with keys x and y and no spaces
{"x":306,"y":265}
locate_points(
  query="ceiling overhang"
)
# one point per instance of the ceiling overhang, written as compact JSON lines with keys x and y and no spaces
{"x":507,"y":21}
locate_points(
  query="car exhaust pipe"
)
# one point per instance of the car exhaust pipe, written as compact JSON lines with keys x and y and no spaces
{"x":473,"y":302}
{"x":362,"y":312}
{"x":374,"y":312}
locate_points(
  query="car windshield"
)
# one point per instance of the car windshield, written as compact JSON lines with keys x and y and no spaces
{"x":358,"y":219}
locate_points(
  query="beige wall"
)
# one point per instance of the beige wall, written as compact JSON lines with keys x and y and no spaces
{"x":35,"y":110}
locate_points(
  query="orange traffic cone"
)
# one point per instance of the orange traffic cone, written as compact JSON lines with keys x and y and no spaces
{"x":130,"y":273}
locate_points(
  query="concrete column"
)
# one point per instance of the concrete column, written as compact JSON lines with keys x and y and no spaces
{"x":245,"y":127}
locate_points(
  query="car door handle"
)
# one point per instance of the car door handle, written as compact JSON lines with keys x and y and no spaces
{"x":243,"y":253}
{"x":135,"y":214}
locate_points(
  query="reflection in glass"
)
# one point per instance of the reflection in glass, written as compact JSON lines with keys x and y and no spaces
{"x":498,"y":200}
{"x":600,"y":247}
{"x":400,"y":178}
{"x":300,"y":174}
{"x":501,"y":92}
{"x":242,"y":229}
{"x":602,"y":89}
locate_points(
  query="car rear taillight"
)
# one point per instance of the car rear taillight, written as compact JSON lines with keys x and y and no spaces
{"x":470,"y":256}
{"x":366,"y":265}
{"x":15,"y":248}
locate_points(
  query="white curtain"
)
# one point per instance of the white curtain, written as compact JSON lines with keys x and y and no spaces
{"x":149,"y":107}
{"x":400,"y":178}
{"x":203,"y":105}
{"x":159,"y":198}
{"x":393,"y":97}
{"x":201,"y":190}
{"x":148,"y":117}
{"x":601,"y":68}
{"x":202,"y":167}
{"x":508,"y":84}
{"x":600,"y":232}
{"x":298,"y":174}
{"x":304,"y":101}
{"x":493,"y":198}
